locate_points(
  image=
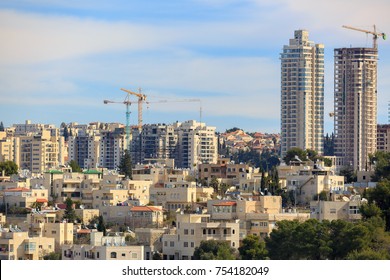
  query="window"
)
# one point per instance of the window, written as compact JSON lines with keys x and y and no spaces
{"x":113,"y":255}
{"x":171,"y":244}
{"x":332,"y":211}
{"x":186,"y":232}
{"x":185,"y":244}
{"x":354,"y":210}
{"x":192,"y":231}
{"x":134,"y":255}
{"x":123,"y":254}
{"x":192,"y":244}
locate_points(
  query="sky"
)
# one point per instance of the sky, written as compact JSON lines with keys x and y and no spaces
{"x":59,"y":59}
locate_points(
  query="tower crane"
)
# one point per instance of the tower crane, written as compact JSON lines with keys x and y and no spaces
{"x":127,"y":103}
{"x":374,"y":33}
{"x":141,"y":99}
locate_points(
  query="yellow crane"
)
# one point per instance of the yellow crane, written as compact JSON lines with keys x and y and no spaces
{"x":141,"y":99}
{"x":374,"y":33}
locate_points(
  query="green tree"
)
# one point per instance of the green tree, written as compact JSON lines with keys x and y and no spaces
{"x":214,"y":183}
{"x":125,"y":165}
{"x":101,"y":226}
{"x":292,"y":153}
{"x":70,"y":213}
{"x":232,"y":129}
{"x":348,"y":173}
{"x":53,"y":256}
{"x":253,"y":248}
{"x":329,"y":145}
{"x":382,"y":166}
{"x":214,"y":250}
{"x":66,"y":134}
{"x":1,"y":126}
{"x":370,"y":210}
{"x":9,"y":168}
{"x":380,"y":195}
{"x":74,"y":165}
{"x":157,"y":256}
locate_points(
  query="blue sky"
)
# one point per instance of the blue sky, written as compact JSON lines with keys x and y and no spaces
{"x":60,"y":59}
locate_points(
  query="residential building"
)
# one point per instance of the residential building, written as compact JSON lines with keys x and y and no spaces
{"x":133,"y":216}
{"x":17,"y":245}
{"x":103,"y":248}
{"x":191,"y":229}
{"x":344,"y":209}
{"x":112,"y":145}
{"x":23,"y":197}
{"x":45,"y":224}
{"x":151,"y":239}
{"x":383,"y":137}
{"x":355,"y":105}
{"x":197,"y":143}
{"x":154,"y":141}
{"x":310,"y":181}
{"x":179,"y":196}
{"x":302,"y":94}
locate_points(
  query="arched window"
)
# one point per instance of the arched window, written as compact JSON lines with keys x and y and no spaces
{"x":113,"y":255}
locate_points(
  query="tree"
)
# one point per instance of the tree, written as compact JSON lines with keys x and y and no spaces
{"x":53,"y":256}
{"x":380,"y":195}
{"x":253,"y":248}
{"x":75,"y":166}
{"x":1,"y":126}
{"x":101,"y":226}
{"x":370,"y":210}
{"x":66,"y":134}
{"x":214,"y":250}
{"x":382,"y":165}
{"x":348,"y":173}
{"x":70,"y":213}
{"x":292,"y":153}
{"x":125,"y":165}
{"x":214,"y":183}
{"x":232,"y":129}
{"x":9,"y":168}
{"x":329,"y":145}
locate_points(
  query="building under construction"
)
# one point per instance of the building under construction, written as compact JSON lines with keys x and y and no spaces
{"x":355,"y":105}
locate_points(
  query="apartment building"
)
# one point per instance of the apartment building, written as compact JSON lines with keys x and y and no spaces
{"x":151,"y":239}
{"x":191,"y":229}
{"x":103,"y":248}
{"x":179,"y":196}
{"x":343,"y":209}
{"x":355,"y":105}
{"x":17,"y":245}
{"x":133,"y":216}
{"x":154,"y":141}
{"x":45,"y":224}
{"x":24,"y":197}
{"x":310,"y":181}
{"x":112,"y":145}
{"x":383,"y":137}
{"x":302,"y":94}
{"x":197,"y":143}
{"x":84,"y":149}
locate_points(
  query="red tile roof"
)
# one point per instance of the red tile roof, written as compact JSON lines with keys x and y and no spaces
{"x":145,"y":209}
{"x":225,"y":203}
{"x":18,"y":190}
{"x":41,"y":200}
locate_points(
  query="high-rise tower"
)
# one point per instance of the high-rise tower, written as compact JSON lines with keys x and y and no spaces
{"x":302,"y":94}
{"x":355,"y":105}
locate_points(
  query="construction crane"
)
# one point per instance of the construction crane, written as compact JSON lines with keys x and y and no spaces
{"x":127,"y":103}
{"x":141,"y":99}
{"x":374,"y":33}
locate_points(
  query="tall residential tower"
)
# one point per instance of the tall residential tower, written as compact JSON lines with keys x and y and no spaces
{"x":355,"y":105}
{"x":302,"y":94}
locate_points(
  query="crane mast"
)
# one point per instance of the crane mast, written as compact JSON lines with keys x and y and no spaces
{"x":141,"y":99}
